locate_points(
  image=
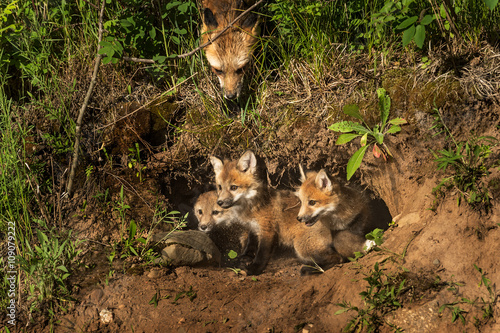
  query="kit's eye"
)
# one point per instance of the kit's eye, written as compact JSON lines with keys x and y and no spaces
{"x":233,"y":188}
{"x":217,"y":71}
{"x":312,"y":202}
{"x":200,"y":212}
{"x":215,"y":212}
{"x":220,"y":187}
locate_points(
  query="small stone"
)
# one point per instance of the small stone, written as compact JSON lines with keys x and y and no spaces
{"x":106,"y":316}
{"x":436,"y":262}
{"x":154,"y":273}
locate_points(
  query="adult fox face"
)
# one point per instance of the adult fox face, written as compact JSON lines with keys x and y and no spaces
{"x":230,"y":54}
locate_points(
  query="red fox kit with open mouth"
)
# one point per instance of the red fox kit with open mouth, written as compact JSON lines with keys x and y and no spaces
{"x":230,"y":54}
{"x":270,"y":215}
{"x":344,"y":210}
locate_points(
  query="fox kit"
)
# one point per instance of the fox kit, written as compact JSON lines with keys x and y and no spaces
{"x":221,"y":223}
{"x":270,"y":215}
{"x":230,"y":54}
{"x":342,"y":209}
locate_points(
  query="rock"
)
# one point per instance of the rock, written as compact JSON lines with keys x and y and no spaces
{"x":154,"y":273}
{"x":188,"y":248}
{"x":106,"y":316}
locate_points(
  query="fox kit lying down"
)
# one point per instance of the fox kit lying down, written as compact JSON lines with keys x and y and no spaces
{"x":270,"y":215}
{"x":229,"y":55}
{"x":344,"y":210}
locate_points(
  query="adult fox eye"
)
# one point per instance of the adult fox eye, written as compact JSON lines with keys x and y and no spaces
{"x":312,"y":202}
{"x":233,"y":187}
{"x":220,"y":187}
{"x":217,"y":71}
{"x":215,"y":212}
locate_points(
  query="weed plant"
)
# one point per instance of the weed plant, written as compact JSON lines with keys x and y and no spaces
{"x":375,"y":136}
{"x":469,"y":163}
{"x":47,"y":266}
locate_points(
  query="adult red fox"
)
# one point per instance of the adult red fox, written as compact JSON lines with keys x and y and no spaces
{"x":271,"y":216}
{"x":230,"y":54}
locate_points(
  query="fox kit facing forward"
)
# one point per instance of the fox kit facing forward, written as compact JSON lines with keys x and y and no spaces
{"x":230,"y":54}
{"x":222,"y":224}
{"x":270,"y":215}
{"x":344,"y":210}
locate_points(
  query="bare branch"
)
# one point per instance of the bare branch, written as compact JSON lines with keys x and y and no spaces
{"x":78,"y":131}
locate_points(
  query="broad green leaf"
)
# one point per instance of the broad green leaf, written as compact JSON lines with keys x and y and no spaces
{"x":491,"y":4}
{"x":62,"y":268}
{"x":393,"y":129}
{"x":353,"y":111}
{"x":398,"y":121}
{"x":345,"y":138}
{"x":406,"y":23}
{"x":348,"y":126}
{"x":355,"y":161}
{"x":420,"y":35}
{"x":427,"y":19}
{"x":379,"y":137}
{"x":408,"y":35}
{"x":232,"y":254}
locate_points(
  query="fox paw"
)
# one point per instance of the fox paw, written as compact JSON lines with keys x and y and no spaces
{"x":253,"y":269}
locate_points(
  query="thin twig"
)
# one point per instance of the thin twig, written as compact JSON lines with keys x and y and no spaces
{"x":144,"y":61}
{"x":221,"y":32}
{"x":78,"y":131}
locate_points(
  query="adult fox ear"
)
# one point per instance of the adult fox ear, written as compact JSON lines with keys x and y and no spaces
{"x":217,"y":164}
{"x":302,"y":174}
{"x":247,"y":162}
{"x":323,"y":182}
{"x":209,"y":19}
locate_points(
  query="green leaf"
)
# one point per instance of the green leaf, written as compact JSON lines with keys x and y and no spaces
{"x":393,"y":129}
{"x":408,"y":35}
{"x":132,"y":230}
{"x":398,"y":121}
{"x":62,"y":268}
{"x":427,"y":19}
{"x":345,"y":138}
{"x":232,"y":254}
{"x":341,"y":311}
{"x":384,"y":103}
{"x":348,"y":126}
{"x":355,"y":161}
{"x":154,"y":300}
{"x":406,"y":23}
{"x":420,"y":35}
{"x":491,"y":4}
{"x":353,"y":111}
{"x":364,"y":139}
